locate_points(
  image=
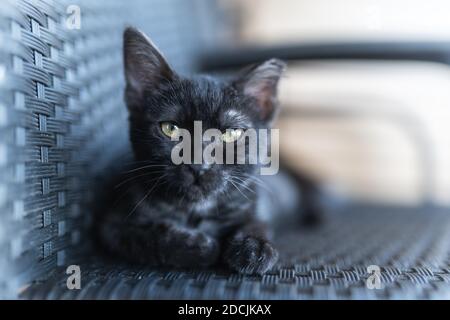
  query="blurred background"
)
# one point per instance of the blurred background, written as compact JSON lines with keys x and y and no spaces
{"x":371,"y":130}
{"x":365,"y":110}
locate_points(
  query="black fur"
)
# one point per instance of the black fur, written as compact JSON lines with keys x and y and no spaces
{"x":189,"y":215}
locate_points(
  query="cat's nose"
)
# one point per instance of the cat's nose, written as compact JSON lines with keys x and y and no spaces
{"x":199,"y":169}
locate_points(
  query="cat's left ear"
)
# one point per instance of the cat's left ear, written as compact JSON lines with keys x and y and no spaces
{"x":261,"y":82}
{"x":145,"y":66}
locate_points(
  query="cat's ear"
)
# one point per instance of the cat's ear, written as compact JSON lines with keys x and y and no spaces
{"x":261,"y":82}
{"x":145,"y":66}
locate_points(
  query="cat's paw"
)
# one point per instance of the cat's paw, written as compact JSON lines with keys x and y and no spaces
{"x":250,"y":255}
{"x":193,"y":248}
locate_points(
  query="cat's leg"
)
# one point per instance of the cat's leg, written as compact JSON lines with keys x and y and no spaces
{"x":159,"y":243}
{"x":248,"y":250}
{"x":311,"y":206}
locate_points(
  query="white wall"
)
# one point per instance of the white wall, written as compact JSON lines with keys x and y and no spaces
{"x":313,"y":20}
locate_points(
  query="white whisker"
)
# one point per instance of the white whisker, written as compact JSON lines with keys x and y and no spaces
{"x":135,"y":177}
{"x":145,"y":197}
{"x":238,"y":189}
{"x":145,"y":167}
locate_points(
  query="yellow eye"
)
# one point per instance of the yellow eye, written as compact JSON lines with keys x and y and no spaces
{"x":231,"y":135}
{"x":169,"y":129}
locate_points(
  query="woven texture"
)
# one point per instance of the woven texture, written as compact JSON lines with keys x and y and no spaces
{"x":412,"y":250}
{"x":61,"y":106}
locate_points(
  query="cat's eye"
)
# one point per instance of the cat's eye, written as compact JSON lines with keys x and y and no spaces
{"x":231,"y":135}
{"x":169,"y":129}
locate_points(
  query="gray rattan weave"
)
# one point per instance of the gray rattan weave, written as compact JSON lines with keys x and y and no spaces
{"x":412,"y":250}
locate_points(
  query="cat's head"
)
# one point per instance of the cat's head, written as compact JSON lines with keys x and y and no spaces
{"x":160,"y":102}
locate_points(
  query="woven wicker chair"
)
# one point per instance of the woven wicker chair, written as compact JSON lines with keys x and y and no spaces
{"x":61,"y":106}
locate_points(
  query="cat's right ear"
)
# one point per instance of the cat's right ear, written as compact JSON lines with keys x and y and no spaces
{"x":145,"y":67}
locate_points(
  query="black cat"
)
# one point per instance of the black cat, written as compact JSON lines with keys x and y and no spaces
{"x":189,"y":215}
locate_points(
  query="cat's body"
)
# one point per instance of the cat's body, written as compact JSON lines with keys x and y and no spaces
{"x":189,"y":215}
{"x":168,"y":231}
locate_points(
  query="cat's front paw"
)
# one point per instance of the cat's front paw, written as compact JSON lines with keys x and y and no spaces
{"x":250,"y":255}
